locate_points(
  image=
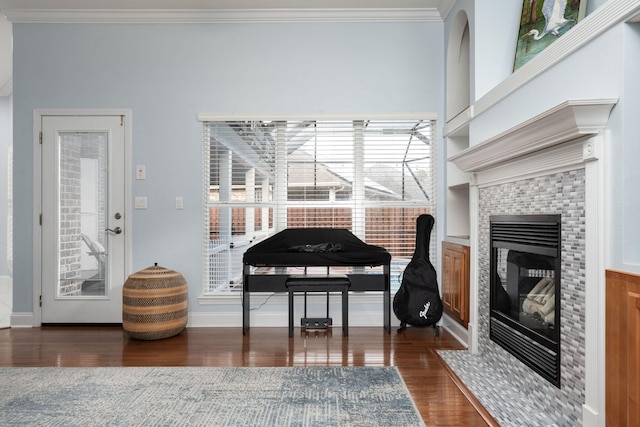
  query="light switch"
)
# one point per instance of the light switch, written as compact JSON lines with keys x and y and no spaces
{"x":141,"y":172}
{"x":141,"y":203}
{"x":179,"y":203}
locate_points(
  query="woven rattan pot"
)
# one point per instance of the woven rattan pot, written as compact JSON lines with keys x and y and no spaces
{"x":154,"y":303}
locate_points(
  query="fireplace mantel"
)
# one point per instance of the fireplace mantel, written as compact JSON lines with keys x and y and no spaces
{"x":566,"y":122}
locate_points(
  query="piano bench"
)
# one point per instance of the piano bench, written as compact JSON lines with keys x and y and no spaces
{"x":320,"y":283}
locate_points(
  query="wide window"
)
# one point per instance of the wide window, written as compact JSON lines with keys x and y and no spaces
{"x":372,"y":177}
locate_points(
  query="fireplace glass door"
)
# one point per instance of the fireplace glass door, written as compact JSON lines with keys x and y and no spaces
{"x":525,"y":290}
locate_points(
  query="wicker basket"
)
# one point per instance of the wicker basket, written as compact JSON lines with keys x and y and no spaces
{"x":154,"y":303}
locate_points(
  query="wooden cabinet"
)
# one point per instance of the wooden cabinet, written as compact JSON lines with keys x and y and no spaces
{"x":455,"y":281}
{"x":623,"y":349}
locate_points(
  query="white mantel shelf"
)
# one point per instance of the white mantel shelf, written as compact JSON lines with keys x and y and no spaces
{"x":563,"y":123}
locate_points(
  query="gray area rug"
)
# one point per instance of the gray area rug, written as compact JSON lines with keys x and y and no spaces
{"x":191,"y":396}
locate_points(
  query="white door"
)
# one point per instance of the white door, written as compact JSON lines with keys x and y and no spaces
{"x":83,"y":232}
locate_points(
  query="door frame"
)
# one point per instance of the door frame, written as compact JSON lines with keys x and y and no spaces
{"x":38,"y":114}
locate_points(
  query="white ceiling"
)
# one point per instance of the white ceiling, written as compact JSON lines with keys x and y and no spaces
{"x":202,"y":11}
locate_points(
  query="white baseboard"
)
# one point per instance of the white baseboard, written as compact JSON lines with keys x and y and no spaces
{"x":457,"y":330}
{"x":22,"y":320}
{"x":591,"y":417}
{"x":272,"y":310}
{"x":359,"y":315}
{"x":211,"y":319}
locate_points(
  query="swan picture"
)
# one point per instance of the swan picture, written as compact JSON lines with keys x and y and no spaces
{"x":553,"y":12}
{"x":542,"y":22}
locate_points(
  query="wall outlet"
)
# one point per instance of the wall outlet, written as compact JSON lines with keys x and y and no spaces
{"x":179,"y":203}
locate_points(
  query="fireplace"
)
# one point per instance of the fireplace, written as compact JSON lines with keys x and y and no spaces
{"x":525,"y":290}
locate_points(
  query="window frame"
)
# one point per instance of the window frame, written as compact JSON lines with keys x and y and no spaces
{"x":277,"y":222}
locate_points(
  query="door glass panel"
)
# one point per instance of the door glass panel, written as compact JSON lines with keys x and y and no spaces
{"x":82,"y":192}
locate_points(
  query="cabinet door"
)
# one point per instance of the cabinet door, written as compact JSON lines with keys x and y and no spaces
{"x":623,"y":349}
{"x":450,"y":284}
{"x":455,"y":281}
{"x":633,"y":304}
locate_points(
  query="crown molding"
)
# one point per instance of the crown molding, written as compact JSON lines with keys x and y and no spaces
{"x":181,"y":16}
{"x":445,"y":7}
{"x":563,"y":123}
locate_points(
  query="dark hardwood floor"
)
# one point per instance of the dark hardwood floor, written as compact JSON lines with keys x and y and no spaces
{"x":435,"y":390}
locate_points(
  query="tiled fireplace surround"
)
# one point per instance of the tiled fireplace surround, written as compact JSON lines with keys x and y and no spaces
{"x":550,"y":164}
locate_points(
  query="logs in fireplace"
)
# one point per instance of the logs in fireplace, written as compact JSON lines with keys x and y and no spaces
{"x":525,"y":290}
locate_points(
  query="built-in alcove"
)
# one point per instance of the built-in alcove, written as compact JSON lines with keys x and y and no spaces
{"x":457,"y":188}
{"x":458,"y":67}
{"x":458,"y":97}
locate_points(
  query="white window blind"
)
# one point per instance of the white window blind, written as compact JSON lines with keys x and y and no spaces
{"x":373,"y":177}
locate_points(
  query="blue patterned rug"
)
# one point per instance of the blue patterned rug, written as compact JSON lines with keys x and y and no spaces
{"x":190,"y":396}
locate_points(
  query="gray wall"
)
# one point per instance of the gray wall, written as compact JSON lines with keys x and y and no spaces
{"x":5,"y":143}
{"x":626,"y":180}
{"x":167,"y":74}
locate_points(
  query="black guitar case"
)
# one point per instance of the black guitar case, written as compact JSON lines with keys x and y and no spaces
{"x":418,"y":302}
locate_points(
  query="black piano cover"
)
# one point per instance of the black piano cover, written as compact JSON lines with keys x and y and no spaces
{"x":283,"y":249}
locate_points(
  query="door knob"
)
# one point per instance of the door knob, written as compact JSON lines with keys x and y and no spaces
{"x":116,"y":230}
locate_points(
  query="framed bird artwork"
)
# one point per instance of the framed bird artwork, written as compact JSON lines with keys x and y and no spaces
{"x":542,"y":22}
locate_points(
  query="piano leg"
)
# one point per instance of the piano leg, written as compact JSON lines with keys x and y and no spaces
{"x":387,"y":298}
{"x":246,"y":302}
{"x":245,"y":312}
